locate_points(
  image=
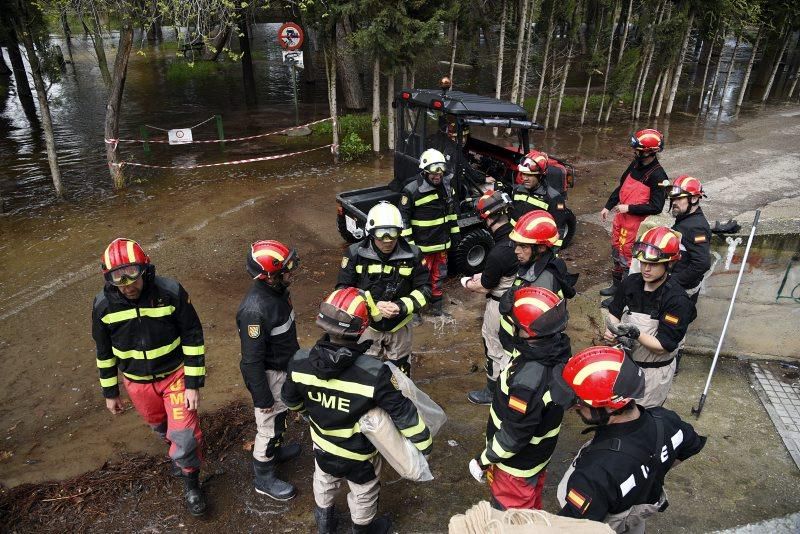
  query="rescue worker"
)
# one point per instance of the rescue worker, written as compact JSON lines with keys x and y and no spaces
{"x":498,"y":274}
{"x":618,"y":476}
{"x":535,"y":193}
{"x":534,"y":237}
{"x":146,"y":327}
{"x":430,"y":218}
{"x":653,"y":310}
{"x":638,"y":195}
{"x":335,"y":384}
{"x":268,"y":337}
{"x":524,"y":419}
{"x":395,"y":282}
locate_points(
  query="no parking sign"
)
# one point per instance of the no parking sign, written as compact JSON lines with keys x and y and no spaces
{"x":290,"y":36}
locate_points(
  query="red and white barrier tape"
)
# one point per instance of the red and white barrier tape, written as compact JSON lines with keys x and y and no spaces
{"x":221,"y":164}
{"x":231,"y":140}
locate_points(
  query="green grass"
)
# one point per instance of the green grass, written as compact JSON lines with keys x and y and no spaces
{"x":183,"y":71}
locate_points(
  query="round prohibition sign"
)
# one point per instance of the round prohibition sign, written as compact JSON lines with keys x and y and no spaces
{"x":290,"y":36}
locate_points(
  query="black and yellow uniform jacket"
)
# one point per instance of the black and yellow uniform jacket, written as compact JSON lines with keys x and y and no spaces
{"x":336,"y":385}
{"x":399,"y":277}
{"x":542,"y":197}
{"x":524,"y":419}
{"x":429,"y":214}
{"x":147,"y":339}
{"x":696,"y":244}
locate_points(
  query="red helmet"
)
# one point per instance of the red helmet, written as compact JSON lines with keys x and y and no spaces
{"x":604,"y":376}
{"x":658,"y":245}
{"x":535,"y":162}
{"x":344,"y":313}
{"x":647,"y":141}
{"x":123,"y":261}
{"x":538,"y":311}
{"x":270,"y":257}
{"x":536,"y":227}
{"x":686,"y":186}
{"x":492,"y":202}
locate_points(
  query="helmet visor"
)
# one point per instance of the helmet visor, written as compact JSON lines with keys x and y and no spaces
{"x":676,"y":191}
{"x":386,"y":234}
{"x":436,"y":168}
{"x":125,"y":275}
{"x":291,"y":262}
{"x":649,"y":253}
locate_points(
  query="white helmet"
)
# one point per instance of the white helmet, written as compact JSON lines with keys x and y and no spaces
{"x":384,"y":216}
{"x":430,"y":159}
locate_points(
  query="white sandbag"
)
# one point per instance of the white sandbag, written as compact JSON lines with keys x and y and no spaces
{"x":483,"y":519}
{"x":431,"y":413}
{"x":401,"y":454}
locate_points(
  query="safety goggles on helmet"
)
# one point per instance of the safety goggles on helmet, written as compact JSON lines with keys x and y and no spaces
{"x":125,"y":275}
{"x":649,"y":253}
{"x":436,"y":168}
{"x":386,"y":234}
{"x":291,"y":262}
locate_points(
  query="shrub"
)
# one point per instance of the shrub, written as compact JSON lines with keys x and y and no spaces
{"x":353,"y":147}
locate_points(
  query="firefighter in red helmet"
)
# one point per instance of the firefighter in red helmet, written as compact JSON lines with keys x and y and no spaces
{"x":532,"y":191}
{"x":638,"y":195}
{"x":618,"y":476}
{"x":268,"y":337}
{"x":145,"y":327}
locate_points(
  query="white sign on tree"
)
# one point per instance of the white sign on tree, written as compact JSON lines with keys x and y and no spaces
{"x":293,"y":57}
{"x":179,"y":136}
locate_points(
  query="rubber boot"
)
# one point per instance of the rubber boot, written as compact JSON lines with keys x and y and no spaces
{"x":610,"y":290}
{"x":416,"y":320}
{"x":326,"y":519}
{"x":175,"y":470}
{"x":193,"y":493}
{"x":404,"y":364}
{"x":436,"y":307}
{"x":268,"y":484}
{"x":483,"y":396}
{"x":379,"y":525}
{"x":284,"y":453}
{"x":605,"y":303}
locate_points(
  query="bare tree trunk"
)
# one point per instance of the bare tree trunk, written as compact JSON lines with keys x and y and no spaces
{"x":794,"y":84}
{"x":551,"y":89}
{"x":24,"y":33}
{"x":453,"y":53}
{"x":662,"y":91}
{"x":96,"y":33}
{"x":649,"y":51}
{"x":563,"y":85}
{"x":21,"y":81}
{"x":413,"y":76}
{"x":500,"y":56}
{"x":716,"y":71}
{"x":404,"y":80}
{"x":376,"y":105}
{"x":329,"y":52}
{"x":5,"y":70}
{"x":589,"y":81}
{"x":749,"y":69}
{"x":248,"y":76}
{"x":114,"y":106}
{"x":643,"y":87}
{"x":347,"y":69}
{"x":67,"y":36}
{"x":606,"y":74}
{"x":542,"y":75}
{"x":728,"y":74}
{"x":390,"y":110}
{"x":625,"y":31}
{"x":523,"y":86}
{"x":212,"y":50}
{"x":679,"y":66}
{"x":655,"y":92}
{"x":523,"y":28}
{"x":777,"y":64}
{"x":712,"y":43}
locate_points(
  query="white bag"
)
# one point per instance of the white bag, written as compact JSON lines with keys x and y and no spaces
{"x":431,"y":413}
{"x":402,"y":455}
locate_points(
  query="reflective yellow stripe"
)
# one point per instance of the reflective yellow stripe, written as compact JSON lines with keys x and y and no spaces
{"x":506,"y":325}
{"x":162,"y":311}
{"x":405,"y":271}
{"x":414,"y":430}
{"x":455,"y":230}
{"x":452,"y":217}
{"x":523,"y":473}
{"x":595,"y":367}
{"x":485,"y":459}
{"x":434,"y":248}
{"x":329,"y":447}
{"x":194,"y":371}
{"x":355,"y":304}
{"x":498,"y":450}
{"x":422,"y":445}
{"x":374,"y":312}
{"x":520,"y":196}
{"x":339,"y":432}
{"x":131,"y":252}
{"x":268,"y":252}
{"x":151,"y":354}
{"x":558,"y":243}
{"x":428,"y":222}
{"x":427,"y":199}
{"x":403,"y":323}
{"x":406,"y":232}
{"x":105,"y":364}
{"x":108,"y":382}
{"x":495,"y":419}
{"x":117,"y":317}
{"x":375,"y":268}
{"x":419,"y":297}
{"x":513,"y":222}
{"x":359,"y":269}
{"x":132,"y":376}
{"x":191,"y":350}
{"x":408,"y":302}
{"x":333,"y":384}
{"x":535,"y":440}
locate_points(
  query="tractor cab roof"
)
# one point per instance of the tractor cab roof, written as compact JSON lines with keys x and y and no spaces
{"x":469,"y":107}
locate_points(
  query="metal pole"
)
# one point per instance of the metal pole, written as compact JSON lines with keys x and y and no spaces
{"x":294,"y":89}
{"x":220,"y":132}
{"x":143,"y":131}
{"x":696,"y":411}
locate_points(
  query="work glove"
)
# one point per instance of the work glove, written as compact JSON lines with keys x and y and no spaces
{"x":476,"y":471}
{"x":624,"y":330}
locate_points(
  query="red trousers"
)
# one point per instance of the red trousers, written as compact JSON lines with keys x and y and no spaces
{"x":162,"y":405}
{"x":509,"y":491}
{"x":436,"y":262}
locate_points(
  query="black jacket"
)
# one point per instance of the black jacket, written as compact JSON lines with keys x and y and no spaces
{"x":501,"y":260}
{"x":696,"y":256}
{"x":429,"y":214}
{"x":543,"y":197}
{"x":401,"y":278}
{"x":268,"y":336}
{"x":147,"y":339}
{"x":609,"y":473}
{"x":652,"y":175}
{"x":524,"y":420}
{"x":336,"y":385}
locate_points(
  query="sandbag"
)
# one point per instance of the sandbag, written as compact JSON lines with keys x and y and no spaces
{"x":483,"y":519}
{"x":402,"y":455}
{"x":431,"y":413}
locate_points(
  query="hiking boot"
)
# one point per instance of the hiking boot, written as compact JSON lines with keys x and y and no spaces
{"x":611,"y":290}
{"x":404,"y":364}
{"x":435,"y":308}
{"x":284,"y":453}
{"x":326,"y":519}
{"x":193,"y":493}
{"x":379,"y":525}
{"x":175,"y":470}
{"x":606,"y":302}
{"x":268,"y":484}
{"x":483,"y":396}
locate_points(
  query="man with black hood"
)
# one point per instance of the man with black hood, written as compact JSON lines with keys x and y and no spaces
{"x":335,"y":384}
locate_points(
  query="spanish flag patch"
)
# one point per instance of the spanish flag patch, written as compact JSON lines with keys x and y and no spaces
{"x":517,"y":404}
{"x":700,"y":238}
{"x":578,"y":501}
{"x":671,"y":319}
{"x":560,"y":206}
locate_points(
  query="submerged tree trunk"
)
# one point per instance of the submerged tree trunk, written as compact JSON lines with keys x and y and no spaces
{"x":114,"y":106}
{"x":716,"y":71}
{"x":551,"y":89}
{"x":625,"y":31}
{"x":728,"y":74}
{"x":248,"y":76}
{"x":500,"y":55}
{"x":749,"y":69}
{"x":655,"y":92}
{"x":213,"y":49}
{"x":711,"y":46}
{"x":679,"y":66}
{"x":453,"y":53}
{"x":768,"y":89}
{"x":567,"y":63}
{"x":352,"y":90}
{"x":376,"y":105}
{"x":67,"y":36}
{"x":589,"y":81}
{"x":607,"y":73}
{"x":96,"y":33}
{"x":390,"y":110}
{"x":523,"y":86}
{"x":21,"y":81}
{"x":5,"y":70}
{"x":329,"y":52}
{"x":523,"y":27}
{"x":543,"y":74}
{"x":794,"y":84}
{"x":663,"y":91}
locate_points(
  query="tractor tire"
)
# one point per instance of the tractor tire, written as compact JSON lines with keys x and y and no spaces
{"x":567,"y":230}
{"x":341,"y":224}
{"x":470,"y":254}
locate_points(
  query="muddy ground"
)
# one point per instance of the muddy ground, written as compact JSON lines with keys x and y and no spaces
{"x":197,"y":228}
